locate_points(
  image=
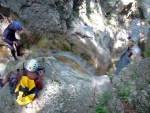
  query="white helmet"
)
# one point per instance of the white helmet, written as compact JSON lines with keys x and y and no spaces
{"x":32,"y":65}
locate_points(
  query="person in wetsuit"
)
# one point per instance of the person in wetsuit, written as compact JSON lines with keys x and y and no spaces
{"x":11,"y":40}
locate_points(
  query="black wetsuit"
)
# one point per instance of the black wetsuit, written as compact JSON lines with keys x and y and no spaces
{"x":130,"y":54}
{"x":9,"y":37}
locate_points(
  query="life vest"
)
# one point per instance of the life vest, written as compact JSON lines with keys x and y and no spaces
{"x":26,"y":90}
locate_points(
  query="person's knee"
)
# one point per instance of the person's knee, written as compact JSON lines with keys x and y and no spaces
{"x":11,"y":47}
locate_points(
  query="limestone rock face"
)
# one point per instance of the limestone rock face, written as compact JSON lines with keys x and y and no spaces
{"x":79,"y":27}
{"x":81,"y":38}
{"x":65,"y":90}
{"x":39,"y":16}
{"x":136,"y":78}
{"x":146,"y":8}
{"x":148,"y":41}
{"x":52,"y":25}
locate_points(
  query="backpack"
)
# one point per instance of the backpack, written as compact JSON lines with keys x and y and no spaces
{"x":26,"y":90}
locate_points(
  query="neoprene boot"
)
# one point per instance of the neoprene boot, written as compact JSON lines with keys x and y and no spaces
{"x":1,"y":84}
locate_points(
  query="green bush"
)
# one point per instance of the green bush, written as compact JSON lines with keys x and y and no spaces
{"x":89,"y":10}
{"x":125,"y":92}
{"x":100,"y":109}
{"x":147,"y":53}
{"x":74,"y":14}
{"x":134,"y":75}
{"x":111,"y":74}
{"x":103,"y":100}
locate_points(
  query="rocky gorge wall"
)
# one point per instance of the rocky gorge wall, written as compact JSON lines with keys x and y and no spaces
{"x":81,"y":27}
{"x":65,"y":90}
{"x":70,"y":26}
{"x":79,"y":36}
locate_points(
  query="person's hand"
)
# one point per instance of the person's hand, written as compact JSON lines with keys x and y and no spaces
{"x":41,"y":73}
{"x":14,"y":42}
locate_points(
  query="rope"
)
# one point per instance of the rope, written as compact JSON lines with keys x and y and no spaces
{"x":26,"y":35}
{"x":34,"y":42}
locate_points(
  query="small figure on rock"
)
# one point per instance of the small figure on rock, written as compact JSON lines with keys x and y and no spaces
{"x":10,"y":39}
{"x":130,"y":53}
{"x":26,"y":83}
{"x":129,"y":38}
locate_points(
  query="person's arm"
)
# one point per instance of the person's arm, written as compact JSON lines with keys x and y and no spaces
{"x":39,"y":81}
{"x":5,"y":80}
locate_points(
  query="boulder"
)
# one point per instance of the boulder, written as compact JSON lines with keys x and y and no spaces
{"x":65,"y":90}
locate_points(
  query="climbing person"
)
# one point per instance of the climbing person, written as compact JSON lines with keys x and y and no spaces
{"x":33,"y":71}
{"x":11,"y":40}
{"x":130,"y":44}
{"x":130,"y":53}
{"x":129,"y":38}
{"x":26,"y":83}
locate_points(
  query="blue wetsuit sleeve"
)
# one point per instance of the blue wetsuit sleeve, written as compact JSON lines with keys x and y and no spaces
{"x":5,"y":38}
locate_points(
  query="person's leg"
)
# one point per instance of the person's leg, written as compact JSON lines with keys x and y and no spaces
{"x":6,"y":79}
{"x":18,"y":48}
{"x":13,"y":54}
{"x":12,"y":49}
